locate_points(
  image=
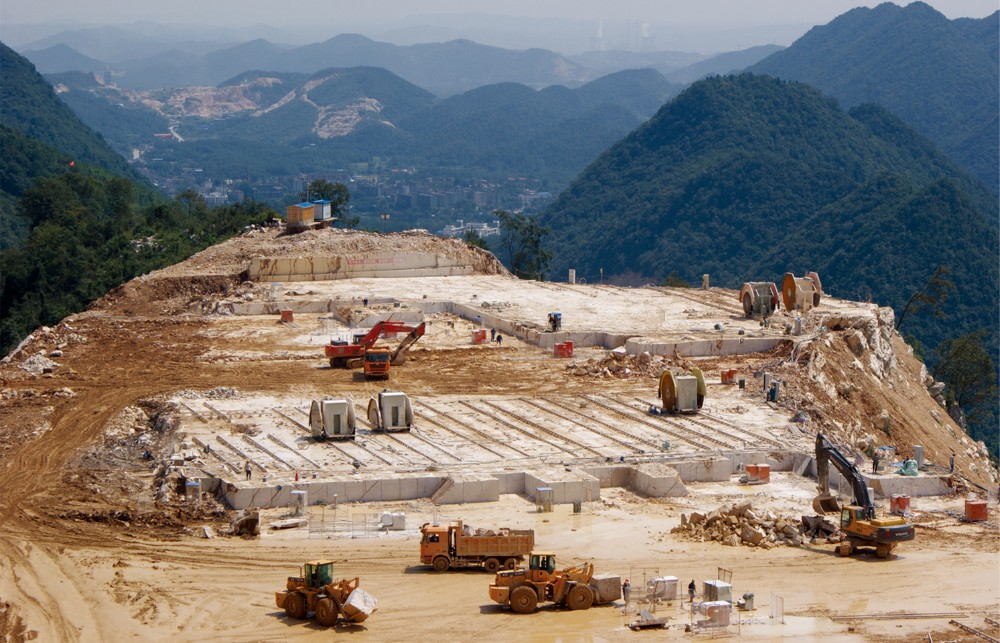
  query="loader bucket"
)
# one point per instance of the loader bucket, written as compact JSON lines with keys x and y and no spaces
{"x":826,"y":505}
{"x":358,"y":606}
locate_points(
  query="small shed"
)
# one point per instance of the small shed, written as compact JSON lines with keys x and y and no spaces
{"x":323,"y":211}
{"x":299,"y":215}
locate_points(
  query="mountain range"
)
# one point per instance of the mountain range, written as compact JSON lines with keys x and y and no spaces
{"x":941,"y":76}
{"x":283,"y":123}
{"x":444,"y":68}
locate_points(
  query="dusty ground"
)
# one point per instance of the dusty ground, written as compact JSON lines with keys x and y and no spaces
{"x":90,"y":554}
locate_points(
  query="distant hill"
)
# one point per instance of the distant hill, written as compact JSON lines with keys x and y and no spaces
{"x":748,"y":177}
{"x":123,"y":120}
{"x":941,"y":76}
{"x":444,"y":69}
{"x":724,"y":63}
{"x":263,"y":122}
{"x":62,"y":57}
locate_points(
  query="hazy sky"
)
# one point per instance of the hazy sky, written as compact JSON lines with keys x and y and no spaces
{"x":238,"y":13}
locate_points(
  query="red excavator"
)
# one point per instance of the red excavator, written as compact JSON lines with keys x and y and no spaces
{"x":352,"y":355}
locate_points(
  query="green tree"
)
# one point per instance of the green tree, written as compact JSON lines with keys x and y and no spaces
{"x":673,"y":280}
{"x":965,"y":365}
{"x":521,"y":243}
{"x":474,"y":239}
{"x":930,"y":297}
{"x":338,"y":196}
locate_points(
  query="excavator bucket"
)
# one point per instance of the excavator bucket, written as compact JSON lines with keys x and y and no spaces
{"x":826,"y":505}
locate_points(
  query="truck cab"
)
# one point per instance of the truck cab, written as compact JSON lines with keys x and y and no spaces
{"x":434,"y":542}
{"x":376,"y":362}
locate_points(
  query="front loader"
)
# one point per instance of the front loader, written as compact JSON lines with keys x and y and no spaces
{"x":315,"y":591}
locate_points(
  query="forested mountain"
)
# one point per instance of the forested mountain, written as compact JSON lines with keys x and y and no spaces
{"x":941,"y":76}
{"x":39,"y":136}
{"x":262,"y":123}
{"x":28,"y":104}
{"x":122,"y":118}
{"x":75,"y":221}
{"x":748,"y":177}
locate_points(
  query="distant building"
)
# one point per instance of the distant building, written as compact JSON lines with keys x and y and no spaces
{"x":482,"y":229}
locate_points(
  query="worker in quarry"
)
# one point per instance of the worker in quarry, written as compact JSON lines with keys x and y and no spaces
{"x":493,"y":334}
{"x":247,"y":469}
{"x":626,"y":592}
{"x":691,"y":591}
{"x":875,"y":462}
{"x":499,"y":340}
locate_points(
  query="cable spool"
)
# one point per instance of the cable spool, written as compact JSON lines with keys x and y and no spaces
{"x":316,"y":419}
{"x":682,"y":393}
{"x":801,"y":293}
{"x":668,"y":391}
{"x":702,"y":389}
{"x":759,"y":298}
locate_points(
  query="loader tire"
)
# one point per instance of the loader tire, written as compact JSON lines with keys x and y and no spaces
{"x":295,"y":605}
{"x":580,"y":597}
{"x":492,"y":565}
{"x":326,"y":612}
{"x":523,"y":600}
{"x":441,"y":564}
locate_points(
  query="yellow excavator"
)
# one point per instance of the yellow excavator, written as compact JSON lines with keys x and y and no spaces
{"x":857,"y":521}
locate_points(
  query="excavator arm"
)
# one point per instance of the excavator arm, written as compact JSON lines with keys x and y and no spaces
{"x":825,"y":503}
{"x":399,"y":355}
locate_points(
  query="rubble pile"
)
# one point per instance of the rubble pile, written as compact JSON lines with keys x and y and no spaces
{"x":738,"y":525}
{"x":620,"y":365}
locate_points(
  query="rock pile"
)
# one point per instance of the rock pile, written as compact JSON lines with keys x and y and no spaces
{"x":618,"y":364}
{"x":738,"y":525}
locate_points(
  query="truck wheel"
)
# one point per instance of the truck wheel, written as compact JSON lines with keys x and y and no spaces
{"x":510,"y":563}
{"x":523,"y":600}
{"x":580,"y":598}
{"x":492,"y":565}
{"x":883,"y":550}
{"x":295,"y":605}
{"x":326,"y":612}
{"x":441,"y":564}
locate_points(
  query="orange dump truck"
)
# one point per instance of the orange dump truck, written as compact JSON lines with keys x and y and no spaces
{"x":457,"y":545}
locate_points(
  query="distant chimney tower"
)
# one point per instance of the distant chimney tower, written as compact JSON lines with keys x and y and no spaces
{"x":599,"y":37}
{"x":646,"y":41}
